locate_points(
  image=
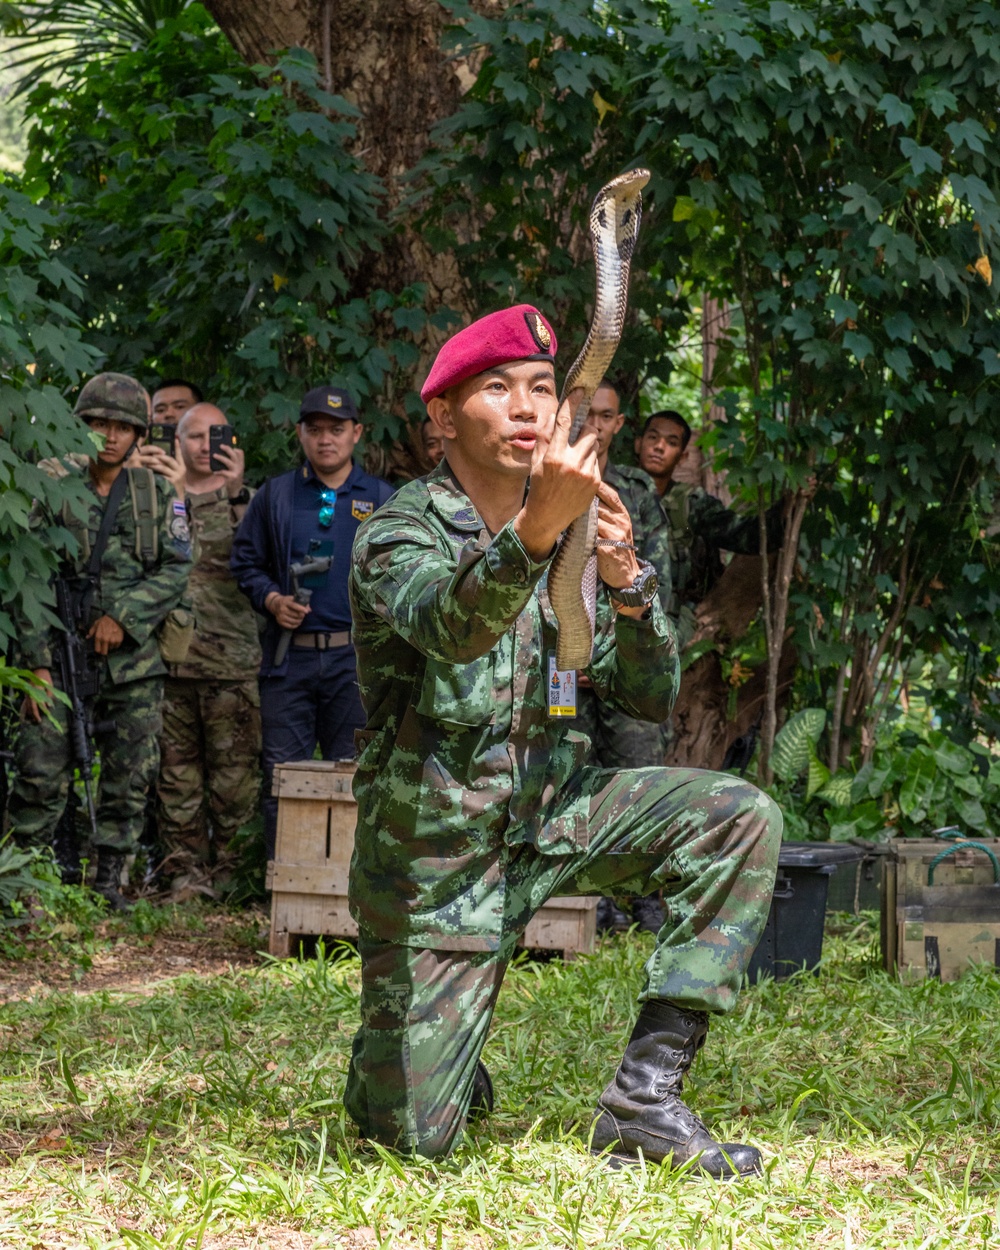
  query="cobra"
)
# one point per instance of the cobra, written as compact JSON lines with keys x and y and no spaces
{"x":614,"y":228}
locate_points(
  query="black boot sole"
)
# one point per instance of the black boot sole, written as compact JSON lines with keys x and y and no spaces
{"x":619,"y":1161}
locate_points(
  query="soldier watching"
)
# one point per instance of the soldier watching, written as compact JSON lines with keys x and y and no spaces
{"x":620,"y":740}
{"x":210,"y":745}
{"x":698,"y":523}
{"x":433,"y":443}
{"x":308,"y":689}
{"x":172,"y":398}
{"x":136,"y":539}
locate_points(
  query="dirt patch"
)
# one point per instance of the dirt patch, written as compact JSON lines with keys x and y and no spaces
{"x":206,"y":943}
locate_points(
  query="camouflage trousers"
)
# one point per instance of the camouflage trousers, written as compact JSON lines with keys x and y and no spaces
{"x":209,"y":766}
{"x":129,"y":757}
{"x":709,"y":840}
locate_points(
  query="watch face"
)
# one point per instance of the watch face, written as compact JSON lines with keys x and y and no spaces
{"x":647,"y":583}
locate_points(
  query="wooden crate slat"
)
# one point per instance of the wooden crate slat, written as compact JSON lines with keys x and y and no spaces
{"x":315,"y":840}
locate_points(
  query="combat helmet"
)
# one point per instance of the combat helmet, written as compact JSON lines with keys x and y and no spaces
{"x":115,"y":397}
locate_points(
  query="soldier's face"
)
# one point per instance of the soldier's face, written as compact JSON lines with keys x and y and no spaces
{"x":433,"y":443}
{"x":661,"y":448}
{"x":118,"y":437}
{"x":328,"y":442}
{"x":604,"y":418}
{"x":494,"y":421}
{"x":171,"y":403}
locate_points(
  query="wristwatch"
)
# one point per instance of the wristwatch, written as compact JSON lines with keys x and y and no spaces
{"x":642,"y":591}
{"x":242,"y":497}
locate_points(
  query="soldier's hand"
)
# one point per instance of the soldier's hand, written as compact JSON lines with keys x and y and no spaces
{"x":232,"y":474}
{"x":171,"y":467}
{"x":107,"y":635}
{"x":31,"y":709}
{"x":286,"y":611}
{"x":564,"y":480}
{"x":617,"y":566}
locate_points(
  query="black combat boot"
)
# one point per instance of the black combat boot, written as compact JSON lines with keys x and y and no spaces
{"x":648,"y":913}
{"x":642,"y":1110}
{"x":610,"y":917}
{"x":482,"y":1093}
{"x":108,"y":879}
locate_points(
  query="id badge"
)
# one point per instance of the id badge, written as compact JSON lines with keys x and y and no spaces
{"x":562,"y":689}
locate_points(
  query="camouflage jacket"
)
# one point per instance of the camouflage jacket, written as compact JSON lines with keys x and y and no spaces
{"x":637,"y":491}
{"x":462,"y":769}
{"x":136,"y":597}
{"x":226,"y":643}
{"x":700,"y":525}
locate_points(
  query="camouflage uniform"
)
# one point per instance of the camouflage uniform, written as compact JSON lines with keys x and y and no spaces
{"x":210,"y":746}
{"x":138,"y":596}
{"x":474,"y":807}
{"x":620,"y":740}
{"x":699,"y":525}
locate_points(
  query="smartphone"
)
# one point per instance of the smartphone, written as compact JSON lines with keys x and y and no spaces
{"x":164,"y":436}
{"x":219,"y":436}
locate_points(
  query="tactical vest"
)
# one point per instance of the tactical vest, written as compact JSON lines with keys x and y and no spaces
{"x":142,"y":490}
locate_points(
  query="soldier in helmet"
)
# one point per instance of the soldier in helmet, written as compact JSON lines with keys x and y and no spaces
{"x":131,"y":558}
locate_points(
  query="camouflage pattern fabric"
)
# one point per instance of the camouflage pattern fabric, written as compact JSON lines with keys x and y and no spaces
{"x":620,"y":740}
{"x":461,"y":763}
{"x":137,"y":598}
{"x":710,"y":841}
{"x":474,"y":807}
{"x":115,"y":397}
{"x":226,"y":641}
{"x":699,"y":526}
{"x":129,"y":759}
{"x":637,"y":491}
{"x":209,"y":767}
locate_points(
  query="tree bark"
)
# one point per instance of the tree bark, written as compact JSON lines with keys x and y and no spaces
{"x":385,"y":58}
{"x":703,"y":731}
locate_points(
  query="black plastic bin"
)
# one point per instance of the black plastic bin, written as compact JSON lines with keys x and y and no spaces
{"x":793,"y":936}
{"x":858,"y":887}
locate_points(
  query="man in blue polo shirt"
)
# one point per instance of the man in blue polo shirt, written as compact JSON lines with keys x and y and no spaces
{"x":309,"y":695}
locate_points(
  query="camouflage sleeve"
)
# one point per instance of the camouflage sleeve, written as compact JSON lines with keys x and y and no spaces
{"x":636,"y":665}
{"x":655,"y":545}
{"x":450,"y":609}
{"x":712,"y":520}
{"x":142,"y":608}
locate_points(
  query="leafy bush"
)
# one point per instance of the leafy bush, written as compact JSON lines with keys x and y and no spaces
{"x":224,"y":226}
{"x":917,"y":780}
{"x":38,"y":910}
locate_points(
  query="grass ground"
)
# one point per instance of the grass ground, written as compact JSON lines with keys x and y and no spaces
{"x":203,"y":1112}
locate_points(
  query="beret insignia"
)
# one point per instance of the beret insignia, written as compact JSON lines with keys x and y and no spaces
{"x":539,"y":331}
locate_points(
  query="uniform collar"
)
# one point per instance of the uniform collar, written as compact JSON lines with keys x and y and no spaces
{"x":308,"y":474}
{"x":450,"y":501}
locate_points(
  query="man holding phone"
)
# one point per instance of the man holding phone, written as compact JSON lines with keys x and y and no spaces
{"x":309,"y":695}
{"x":210,"y":747}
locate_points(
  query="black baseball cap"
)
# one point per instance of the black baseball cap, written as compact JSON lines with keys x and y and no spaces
{"x":328,"y":401}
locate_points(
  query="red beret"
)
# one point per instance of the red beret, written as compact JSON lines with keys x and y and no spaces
{"x":518,"y":333}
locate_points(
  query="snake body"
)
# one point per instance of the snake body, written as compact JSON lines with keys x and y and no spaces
{"x":614,"y":228}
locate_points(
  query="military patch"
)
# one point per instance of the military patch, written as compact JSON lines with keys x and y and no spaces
{"x":361,"y":508}
{"x":180,"y":531}
{"x":334,"y":401}
{"x":539,"y":331}
{"x":180,"y":508}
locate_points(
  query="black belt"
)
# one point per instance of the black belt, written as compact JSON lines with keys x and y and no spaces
{"x":322,"y":642}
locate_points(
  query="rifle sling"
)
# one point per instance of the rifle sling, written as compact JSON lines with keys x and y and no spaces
{"x":115,"y":496}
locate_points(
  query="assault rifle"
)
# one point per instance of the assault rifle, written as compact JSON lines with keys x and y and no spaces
{"x":301,"y":594}
{"x":79,"y":678}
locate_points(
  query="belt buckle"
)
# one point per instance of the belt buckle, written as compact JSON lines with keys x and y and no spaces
{"x":325,"y":645}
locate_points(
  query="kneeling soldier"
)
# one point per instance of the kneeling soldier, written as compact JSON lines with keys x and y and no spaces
{"x":130,"y":569}
{"x":475,"y":805}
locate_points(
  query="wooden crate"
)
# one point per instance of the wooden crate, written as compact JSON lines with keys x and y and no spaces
{"x":312,"y":858}
{"x":939,"y":930}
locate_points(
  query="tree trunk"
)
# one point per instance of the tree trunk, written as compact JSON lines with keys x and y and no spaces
{"x":384,"y":57}
{"x":702,"y":729}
